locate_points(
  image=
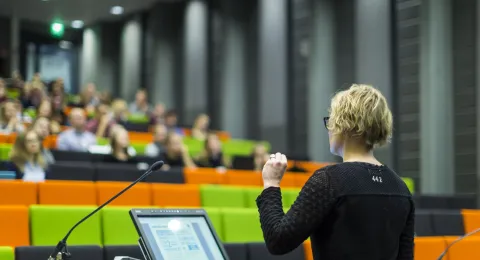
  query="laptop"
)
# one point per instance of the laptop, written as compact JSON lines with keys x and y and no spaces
{"x":177,"y":234}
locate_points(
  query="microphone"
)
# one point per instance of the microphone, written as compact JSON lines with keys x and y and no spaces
{"x":456,"y":241}
{"x":61,"y":248}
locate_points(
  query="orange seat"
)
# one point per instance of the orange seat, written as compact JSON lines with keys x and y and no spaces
{"x":468,"y":248}
{"x":18,"y":192}
{"x":140,"y":137}
{"x":67,"y":193}
{"x":243,"y":178}
{"x":138,"y":195}
{"x":14,"y":226}
{"x":307,"y":247}
{"x":429,"y":248}
{"x":289,"y":180}
{"x":203,"y":176}
{"x":471,"y":220}
{"x":184,"y":195}
{"x":311,"y":166}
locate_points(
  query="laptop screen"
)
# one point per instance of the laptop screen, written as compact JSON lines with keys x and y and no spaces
{"x":180,"y":237}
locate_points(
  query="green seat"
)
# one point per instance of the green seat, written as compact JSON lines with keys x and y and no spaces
{"x":251,"y":195}
{"x":103,"y":141}
{"x":410,"y":184}
{"x":289,"y":196}
{"x":194,"y":146}
{"x":5,"y":152}
{"x":6,"y":253}
{"x":138,"y":119}
{"x":238,"y":147}
{"x":139,"y":148}
{"x":222,"y":196}
{"x":241,"y":225}
{"x":31,"y":112}
{"x":215,"y":216}
{"x":49,"y":224}
{"x":112,"y":219}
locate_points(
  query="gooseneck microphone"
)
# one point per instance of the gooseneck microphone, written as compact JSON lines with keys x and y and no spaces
{"x":61,"y":251}
{"x":456,"y":241}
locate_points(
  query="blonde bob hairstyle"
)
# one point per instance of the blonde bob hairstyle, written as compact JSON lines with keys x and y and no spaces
{"x":361,"y":112}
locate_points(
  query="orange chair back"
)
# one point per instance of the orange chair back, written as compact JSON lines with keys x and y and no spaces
{"x":465,"y":249}
{"x":203,"y":176}
{"x":182,"y":195}
{"x":67,"y":193}
{"x":243,"y":178}
{"x":138,"y":195}
{"x":18,"y":192}
{"x":471,"y":220}
{"x":427,"y":248}
{"x":14,"y":226}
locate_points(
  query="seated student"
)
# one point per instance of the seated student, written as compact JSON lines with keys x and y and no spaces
{"x":176,"y":153}
{"x":119,"y":144}
{"x":200,"y":128}
{"x":9,"y":122}
{"x":26,"y":158}
{"x":212,"y":156}
{"x":260,"y":156}
{"x":77,"y":138}
{"x":41,"y":126}
{"x":155,"y":148}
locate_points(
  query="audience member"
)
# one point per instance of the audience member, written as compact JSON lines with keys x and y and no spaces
{"x":140,"y":106}
{"x":57,"y":95}
{"x":260,"y":157}
{"x":26,"y":158}
{"x":120,"y":145}
{"x":212,"y":156}
{"x":101,"y":123}
{"x":9,"y":122}
{"x":41,"y":126}
{"x":77,"y":138}
{"x":157,"y":147}
{"x":158,"y":115}
{"x":119,"y":111}
{"x":45,"y":110}
{"x":176,"y":153}
{"x":89,"y":98}
{"x":171,"y":121}
{"x":3,"y":91}
{"x":200,"y":128}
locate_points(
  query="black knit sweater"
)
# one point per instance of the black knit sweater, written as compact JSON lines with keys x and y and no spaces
{"x":350,"y":210}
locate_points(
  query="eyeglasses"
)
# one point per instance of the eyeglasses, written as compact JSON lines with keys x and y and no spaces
{"x":325,"y":121}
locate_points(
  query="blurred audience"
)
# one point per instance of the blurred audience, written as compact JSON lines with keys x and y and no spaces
{"x":119,"y":111}
{"x":101,"y":123}
{"x":26,"y":158}
{"x":56,"y":120}
{"x":200,"y":127}
{"x":260,"y":157}
{"x":171,"y":121}
{"x":3,"y":91}
{"x":57,"y":95}
{"x":89,"y":99}
{"x":158,"y":115}
{"x":212,"y":156}
{"x":140,"y":106}
{"x":157,"y":147}
{"x":120,"y":144}
{"x":41,"y":126}
{"x":176,"y":153}
{"x":77,"y":138}
{"x":9,"y":121}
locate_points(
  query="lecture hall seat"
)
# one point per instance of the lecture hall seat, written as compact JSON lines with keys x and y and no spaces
{"x":6,"y":253}
{"x":241,"y":225}
{"x":112,"y":219}
{"x":138,"y":195}
{"x":471,"y":220}
{"x":288,"y":180}
{"x":202,"y":176}
{"x":429,"y":248}
{"x":67,"y":193}
{"x":49,"y":224}
{"x":307,"y":247}
{"x":465,"y":249}
{"x":14,"y":226}
{"x":243,"y":178}
{"x":181,"y":195}
{"x":18,"y":192}
{"x":222,"y":196}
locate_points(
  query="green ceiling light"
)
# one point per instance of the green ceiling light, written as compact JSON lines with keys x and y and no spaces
{"x":57,"y":29}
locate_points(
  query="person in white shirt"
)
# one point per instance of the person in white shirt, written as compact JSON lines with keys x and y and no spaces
{"x":26,"y":158}
{"x":77,"y":138}
{"x":155,"y":148}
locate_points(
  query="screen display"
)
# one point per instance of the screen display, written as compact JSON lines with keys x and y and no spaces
{"x":180,"y":238}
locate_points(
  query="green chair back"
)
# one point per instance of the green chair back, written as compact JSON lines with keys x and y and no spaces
{"x":140,"y":148}
{"x":6,"y":253}
{"x":241,"y":225}
{"x":138,"y":119}
{"x":112,"y":219}
{"x":251,"y":195}
{"x":215,"y":216}
{"x":222,"y":196}
{"x":194,"y":146}
{"x":410,"y":184}
{"x":5,"y":151}
{"x":238,"y":147}
{"x":289,"y":196}
{"x":103,"y":141}
{"x":49,"y":224}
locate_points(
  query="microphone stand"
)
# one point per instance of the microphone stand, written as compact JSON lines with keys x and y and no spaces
{"x":61,"y":252}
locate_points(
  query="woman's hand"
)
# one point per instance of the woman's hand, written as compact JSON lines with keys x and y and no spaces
{"x":273,"y":170}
